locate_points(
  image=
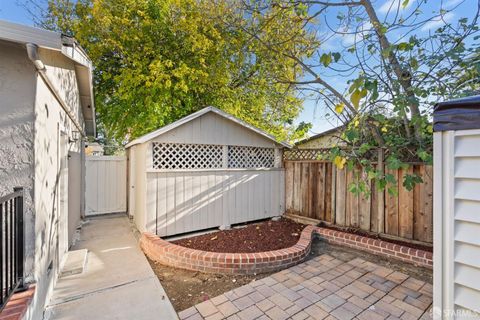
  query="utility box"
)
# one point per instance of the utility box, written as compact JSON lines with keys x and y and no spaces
{"x":456,"y":209}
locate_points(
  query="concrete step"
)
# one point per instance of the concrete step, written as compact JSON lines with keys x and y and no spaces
{"x":75,"y":263}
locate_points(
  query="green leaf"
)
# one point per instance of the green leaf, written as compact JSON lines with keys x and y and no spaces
{"x":403,"y":46}
{"x":336,"y":56}
{"x":393,"y":163}
{"x":409,"y":181}
{"x":405,"y":3}
{"x":326,"y":59}
{"x":414,"y":63}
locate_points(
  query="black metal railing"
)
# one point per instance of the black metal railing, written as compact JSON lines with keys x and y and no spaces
{"x":12,"y":257}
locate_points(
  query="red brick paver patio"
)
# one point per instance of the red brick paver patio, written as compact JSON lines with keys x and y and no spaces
{"x":323,"y":288}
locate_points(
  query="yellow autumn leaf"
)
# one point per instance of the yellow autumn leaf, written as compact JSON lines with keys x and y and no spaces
{"x":384,"y":129}
{"x":356,"y":96}
{"x":339,"y":108}
{"x":356,"y":123}
{"x":339,"y":162}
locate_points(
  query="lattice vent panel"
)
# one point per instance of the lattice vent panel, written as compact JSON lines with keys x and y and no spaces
{"x":250,"y":157}
{"x":306,"y":154}
{"x":187,"y":156}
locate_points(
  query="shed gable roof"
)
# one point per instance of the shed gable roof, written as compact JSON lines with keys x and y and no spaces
{"x":173,"y":125}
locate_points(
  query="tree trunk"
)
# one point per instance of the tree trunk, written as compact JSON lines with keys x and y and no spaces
{"x":404,"y":76}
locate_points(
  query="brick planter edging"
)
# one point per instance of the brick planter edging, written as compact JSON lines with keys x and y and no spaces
{"x":176,"y":256}
{"x":173,"y":255}
{"x":375,"y":246}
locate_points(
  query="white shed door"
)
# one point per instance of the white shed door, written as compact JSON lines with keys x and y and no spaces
{"x":106,"y":185}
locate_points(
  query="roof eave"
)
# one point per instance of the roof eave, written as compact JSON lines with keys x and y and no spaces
{"x":50,"y":40}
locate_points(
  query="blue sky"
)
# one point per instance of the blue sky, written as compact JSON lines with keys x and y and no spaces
{"x":11,"y":10}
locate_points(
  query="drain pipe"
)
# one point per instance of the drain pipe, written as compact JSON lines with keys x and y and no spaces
{"x":32,"y":51}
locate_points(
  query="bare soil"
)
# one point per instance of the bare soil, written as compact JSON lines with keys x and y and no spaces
{"x":264,"y":236}
{"x":187,"y":288}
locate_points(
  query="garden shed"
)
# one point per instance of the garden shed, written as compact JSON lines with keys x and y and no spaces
{"x":206,"y":170}
{"x":457,"y":209}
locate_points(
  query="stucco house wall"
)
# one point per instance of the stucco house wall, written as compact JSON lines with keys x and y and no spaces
{"x":17,"y":95}
{"x":52,"y":147}
{"x":41,"y":147}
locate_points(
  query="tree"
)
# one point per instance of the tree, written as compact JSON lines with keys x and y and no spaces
{"x":394,"y":69}
{"x":159,"y":60}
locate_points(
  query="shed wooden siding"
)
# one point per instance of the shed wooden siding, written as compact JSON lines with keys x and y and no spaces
{"x":179,"y":202}
{"x":457,"y":263}
{"x":212,"y":128}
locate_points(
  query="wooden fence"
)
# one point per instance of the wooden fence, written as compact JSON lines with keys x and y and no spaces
{"x":318,"y":190}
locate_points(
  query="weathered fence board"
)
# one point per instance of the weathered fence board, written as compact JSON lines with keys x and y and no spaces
{"x":318,"y":190}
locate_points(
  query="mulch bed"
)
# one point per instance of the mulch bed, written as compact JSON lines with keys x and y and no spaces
{"x":258,"y":237}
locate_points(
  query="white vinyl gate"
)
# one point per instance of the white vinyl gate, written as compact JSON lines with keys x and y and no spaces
{"x":106,"y":185}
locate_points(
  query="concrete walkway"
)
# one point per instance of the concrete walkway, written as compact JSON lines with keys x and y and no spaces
{"x":323,"y":288}
{"x":117,"y":282}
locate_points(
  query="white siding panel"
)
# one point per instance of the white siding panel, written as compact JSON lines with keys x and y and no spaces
{"x":467,"y":168}
{"x":467,"y":146}
{"x":464,"y":275}
{"x":267,"y":207}
{"x":192,"y":201}
{"x":468,"y":232}
{"x":467,"y":298}
{"x":218,"y":197}
{"x":188,"y":193}
{"x":467,"y":210}
{"x":467,"y":254}
{"x":170,"y":202}
{"x":467,"y":189}
{"x":162,"y":204}
{"x":465,"y":314}
{"x":180,"y":211}
{"x":152,"y":202}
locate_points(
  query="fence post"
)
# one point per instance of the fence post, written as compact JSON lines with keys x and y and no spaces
{"x":334,"y":194}
{"x":380,"y":194}
{"x":19,"y":206}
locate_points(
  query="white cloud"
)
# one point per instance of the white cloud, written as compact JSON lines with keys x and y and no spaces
{"x":438,"y":22}
{"x":451,"y":3}
{"x":392,"y":5}
{"x":356,"y":35}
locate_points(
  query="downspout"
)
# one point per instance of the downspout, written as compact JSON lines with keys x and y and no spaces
{"x":32,"y":51}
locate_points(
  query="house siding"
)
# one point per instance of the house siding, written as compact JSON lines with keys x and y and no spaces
{"x":17,"y":95}
{"x":53,"y":129}
{"x":325,"y":141}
